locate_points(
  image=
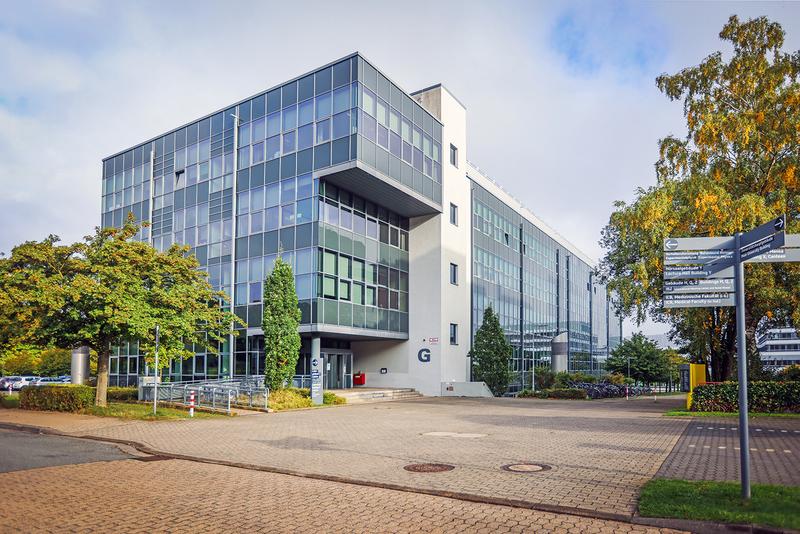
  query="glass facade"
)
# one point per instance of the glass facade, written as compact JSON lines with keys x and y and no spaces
{"x":538,"y":289}
{"x":246,"y":185}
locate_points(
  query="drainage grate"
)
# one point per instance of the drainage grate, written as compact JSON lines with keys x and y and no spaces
{"x":428,"y":468}
{"x":526,"y":468}
{"x":152,"y":458}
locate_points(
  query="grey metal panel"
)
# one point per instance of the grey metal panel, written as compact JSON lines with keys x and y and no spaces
{"x":348,"y":332}
{"x":701,"y":257}
{"x":698,"y":243}
{"x":778,"y":255}
{"x":684,"y":272}
{"x":793,"y":240}
{"x":705,"y":285}
{"x":758,"y":233}
{"x":376,"y":187}
{"x":698,"y":300}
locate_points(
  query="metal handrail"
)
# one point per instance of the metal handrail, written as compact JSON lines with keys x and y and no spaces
{"x":222,"y":394}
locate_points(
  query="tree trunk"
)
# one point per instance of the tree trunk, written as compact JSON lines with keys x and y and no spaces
{"x":101,"y":395}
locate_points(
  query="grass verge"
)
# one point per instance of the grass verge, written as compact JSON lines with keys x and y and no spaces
{"x":777,"y":506}
{"x":9,"y":400}
{"x":144,"y":412}
{"x":688,"y":413}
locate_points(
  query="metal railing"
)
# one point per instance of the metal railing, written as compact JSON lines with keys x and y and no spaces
{"x":222,"y":394}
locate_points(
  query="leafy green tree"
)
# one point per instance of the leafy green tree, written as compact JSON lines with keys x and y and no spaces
{"x":736,"y":169}
{"x":280,"y":325}
{"x":21,"y":360}
{"x":107,"y":289}
{"x":491,"y":354}
{"x":55,"y":362}
{"x":648,"y":363}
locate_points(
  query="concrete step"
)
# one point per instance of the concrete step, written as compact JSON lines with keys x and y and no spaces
{"x":358,"y":395}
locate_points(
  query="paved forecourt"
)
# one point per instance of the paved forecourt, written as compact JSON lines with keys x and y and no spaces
{"x":709,"y":450}
{"x":599,"y":452}
{"x":182,"y":496}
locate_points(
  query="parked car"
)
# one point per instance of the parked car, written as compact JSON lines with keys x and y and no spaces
{"x":47,"y":381}
{"x":6,"y":380}
{"x":66,"y":379}
{"x":22,"y":382}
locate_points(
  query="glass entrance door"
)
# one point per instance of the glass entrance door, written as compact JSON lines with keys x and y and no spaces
{"x":338,"y":370}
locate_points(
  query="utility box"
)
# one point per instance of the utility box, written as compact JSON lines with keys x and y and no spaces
{"x":359,"y":379}
{"x":697,"y":377}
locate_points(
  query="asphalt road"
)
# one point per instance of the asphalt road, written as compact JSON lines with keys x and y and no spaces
{"x":24,"y":450}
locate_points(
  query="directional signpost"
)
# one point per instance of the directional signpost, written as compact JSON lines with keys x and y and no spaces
{"x":709,"y":271}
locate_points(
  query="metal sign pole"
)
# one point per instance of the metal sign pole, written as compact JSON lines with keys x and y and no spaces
{"x":741,"y":352}
{"x":155,"y":377}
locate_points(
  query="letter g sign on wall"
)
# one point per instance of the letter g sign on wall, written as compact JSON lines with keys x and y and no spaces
{"x":424,"y":355}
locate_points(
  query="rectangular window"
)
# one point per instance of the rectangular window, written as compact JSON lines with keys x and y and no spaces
{"x":454,"y":274}
{"x":453,"y":334}
{"x":453,"y":214}
{"x":453,"y":156}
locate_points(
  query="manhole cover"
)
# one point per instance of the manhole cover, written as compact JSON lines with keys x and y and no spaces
{"x":428,"y":468}
{"x":526,"y":468}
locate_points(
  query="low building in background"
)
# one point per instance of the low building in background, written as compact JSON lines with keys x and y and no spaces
{"x":397,"y":241}
{"x":779,"y":348}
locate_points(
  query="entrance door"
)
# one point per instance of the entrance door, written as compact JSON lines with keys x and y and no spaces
{"x":338,"y":370}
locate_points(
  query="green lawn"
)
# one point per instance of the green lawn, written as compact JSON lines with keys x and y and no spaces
{"x":688,"y":413}
{"x":777,"y":506}
{"x":9,"y":400}
{"x":144,"y":412}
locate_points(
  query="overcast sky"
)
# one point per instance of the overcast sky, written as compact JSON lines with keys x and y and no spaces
{"x":561,"y":100}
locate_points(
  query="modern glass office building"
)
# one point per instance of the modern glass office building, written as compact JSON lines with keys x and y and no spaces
{"x":360,"y":187}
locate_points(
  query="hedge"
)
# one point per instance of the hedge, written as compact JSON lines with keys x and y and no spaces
{"x":66,"y":398}
{"x":120,"y":394}
{"x":555,"y":393}
{"x":763,"y":397}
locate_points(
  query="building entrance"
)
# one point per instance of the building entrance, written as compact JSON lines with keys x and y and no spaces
{"x":338,"y":371}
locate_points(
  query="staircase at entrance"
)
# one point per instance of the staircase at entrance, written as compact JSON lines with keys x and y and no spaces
{"x":362,"y":395}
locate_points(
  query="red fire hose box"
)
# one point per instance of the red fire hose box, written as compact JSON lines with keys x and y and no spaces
{"x":359,"y":379}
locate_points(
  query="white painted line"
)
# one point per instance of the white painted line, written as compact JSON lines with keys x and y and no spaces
{"x":784,"y":431}
{"x":787,"y":452}
{"x":700,"y":427}
{"x":736,"y":448}
{"x":771,"y":430}
{"x":758,"y":430}
{"x":706,"y":446}
{"x":691,"y":445}
{"x":754,"y":450}
{"x":722,"y":447}
{"x":770,"y":450}
{"x":711,"y":428}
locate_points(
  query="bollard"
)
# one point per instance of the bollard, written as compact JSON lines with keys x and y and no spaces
{"x":626,"y":393}
{"x":191,"y":403}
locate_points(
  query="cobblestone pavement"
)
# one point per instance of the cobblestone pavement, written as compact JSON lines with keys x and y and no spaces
{"x":181,"y":496}
{"x":601,"y":452}
{"x":709,"y":450}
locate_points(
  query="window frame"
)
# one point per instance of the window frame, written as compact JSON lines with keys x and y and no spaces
{"x":453,"y":334}
{"x":453,"y":274}
{"x":453,"y":155}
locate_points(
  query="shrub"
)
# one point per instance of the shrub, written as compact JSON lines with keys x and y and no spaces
{"x":288,"y":398}
{"x":564,"y":380}
{"x":119,"y":394}
{"x":566,"y":393}
{"x":790,"y":373}
{"x":557,"y":393}
{"x":544,"y":378}
{"x":764,"y":397}
{"x":329,"y":397}
{"x":9,"y":401}
{"x":67,"y":398}
{"x":615,"y":378}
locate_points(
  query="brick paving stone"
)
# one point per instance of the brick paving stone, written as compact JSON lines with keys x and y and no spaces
{"x":182,"y":496}
{"x":709,"y":450}
{"x":601,"y":452}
